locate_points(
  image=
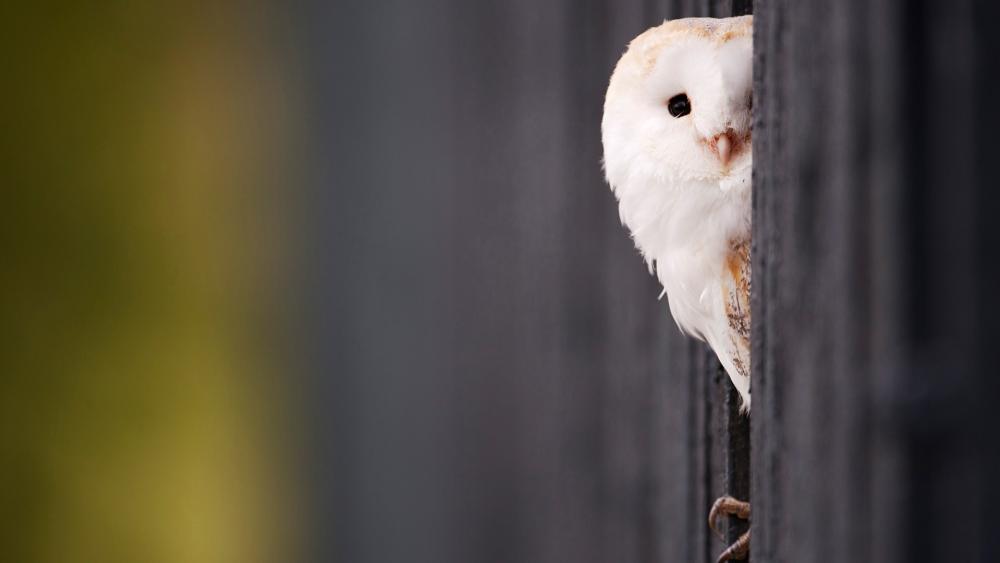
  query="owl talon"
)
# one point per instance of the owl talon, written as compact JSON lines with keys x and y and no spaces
{"x":738,"y":550}
{"x":732,"y":507}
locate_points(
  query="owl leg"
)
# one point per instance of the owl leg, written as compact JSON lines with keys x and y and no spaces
{"x":732,"y":507}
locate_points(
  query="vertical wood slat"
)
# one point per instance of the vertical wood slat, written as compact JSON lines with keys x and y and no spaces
{"x":874,"y":287}
{"x":767,"y":499}
{"x":812,"y":317}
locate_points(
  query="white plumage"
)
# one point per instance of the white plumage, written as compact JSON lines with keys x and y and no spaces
{"x":683,"y":181}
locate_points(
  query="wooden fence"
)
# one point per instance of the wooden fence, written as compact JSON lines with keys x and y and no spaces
{"x":494,"y":379}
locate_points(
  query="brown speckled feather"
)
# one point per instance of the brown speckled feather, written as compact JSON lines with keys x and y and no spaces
{"x":736,"y":296}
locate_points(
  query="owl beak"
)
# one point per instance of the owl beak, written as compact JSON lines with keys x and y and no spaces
{"x":724,"y":146}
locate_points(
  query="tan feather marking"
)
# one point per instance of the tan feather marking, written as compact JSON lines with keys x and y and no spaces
{"x":649,"y":44}
{"x":736,"y":296}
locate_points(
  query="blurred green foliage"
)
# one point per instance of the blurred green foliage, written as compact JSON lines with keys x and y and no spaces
{"x":146,"y":147}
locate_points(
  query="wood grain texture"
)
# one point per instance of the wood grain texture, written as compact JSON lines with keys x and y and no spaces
{"x":870,"y":214}
{"x":813,"y":488}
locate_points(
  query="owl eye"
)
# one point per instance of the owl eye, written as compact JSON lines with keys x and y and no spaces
{"x":679,"y":105}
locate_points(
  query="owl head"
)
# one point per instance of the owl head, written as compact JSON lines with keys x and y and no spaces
{"x":677,"y":112}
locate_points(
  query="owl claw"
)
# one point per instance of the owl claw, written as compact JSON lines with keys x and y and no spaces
{"x":738,"y":550}
{"x":730,"y":506}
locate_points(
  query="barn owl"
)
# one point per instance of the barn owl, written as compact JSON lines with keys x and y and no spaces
{"x":676,"y":134}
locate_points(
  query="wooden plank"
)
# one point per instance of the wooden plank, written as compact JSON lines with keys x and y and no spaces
{"x":871,"y":270}
{"x":811,"y":316}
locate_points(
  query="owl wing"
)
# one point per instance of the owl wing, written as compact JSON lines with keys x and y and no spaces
{"x":734,"y":345}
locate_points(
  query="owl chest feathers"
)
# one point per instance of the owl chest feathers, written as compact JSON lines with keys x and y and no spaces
{"x":686,"y":231}
{"x":695,"y":236}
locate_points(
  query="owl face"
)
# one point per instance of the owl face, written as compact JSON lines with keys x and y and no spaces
{"x":678,"y":109}
{"x":676,"y":135}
